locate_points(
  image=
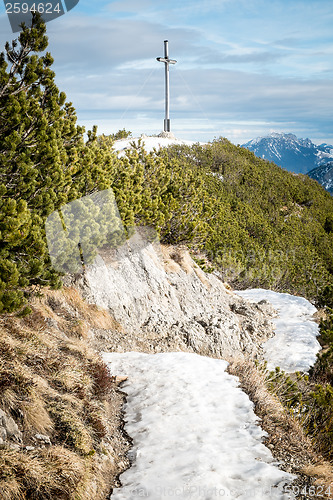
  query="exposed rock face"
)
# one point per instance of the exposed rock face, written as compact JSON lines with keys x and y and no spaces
{"x":163,"y":301}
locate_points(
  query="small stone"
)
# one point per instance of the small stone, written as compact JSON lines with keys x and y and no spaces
{"x":131,"y":456}
{"x":119,"y":379}
{"x":12,"y":429}
{"x":29,"y":448}
{"x":14,"y":446}
{"x":9,"y":427}
{"x":3,"y":434}
{"x":43,"y":438}
{"x":2,"y":418}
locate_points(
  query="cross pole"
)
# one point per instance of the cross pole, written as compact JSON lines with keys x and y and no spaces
{"x":167,"y":62}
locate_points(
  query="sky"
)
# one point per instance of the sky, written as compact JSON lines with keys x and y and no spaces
{"x":245,"y":68}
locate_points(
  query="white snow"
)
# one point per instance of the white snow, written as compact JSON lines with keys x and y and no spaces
{"x":149,"y":142}
{"x":217,"y":175}
{"x":195,"y":435}
{"x":294,"y":346}
{"x":275,"y":151}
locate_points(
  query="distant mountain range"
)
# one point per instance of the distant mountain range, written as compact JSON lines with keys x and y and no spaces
{"x":324,"y":175}
{"x":296,"y":155}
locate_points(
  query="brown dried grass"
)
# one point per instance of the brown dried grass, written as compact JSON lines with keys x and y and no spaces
{"x":49,"y":381}
{"x":43,"y":474}
{"x":286,"y":436}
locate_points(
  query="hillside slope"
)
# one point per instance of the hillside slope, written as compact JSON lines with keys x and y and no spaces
{"x":260,"y":225}
{"x":60,"y":409}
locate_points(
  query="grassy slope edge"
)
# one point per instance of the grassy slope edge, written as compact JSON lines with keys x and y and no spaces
{"x":54,"y":385}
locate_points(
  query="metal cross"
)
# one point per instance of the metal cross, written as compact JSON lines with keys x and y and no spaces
{"x":166,"y":61}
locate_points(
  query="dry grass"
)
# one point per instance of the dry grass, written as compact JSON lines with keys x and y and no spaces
{"x":270,"y":410}
{"x":49,"y":473}
{"x":95,"y":316}
{"x":36,"y":417}
{"x":286,"y":437}
{"x":53,"y":383}
{"x":171,"y":265}
{"x":176,"y":258}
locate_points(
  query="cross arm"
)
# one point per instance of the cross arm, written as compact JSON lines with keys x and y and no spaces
{"x":164,"y":60}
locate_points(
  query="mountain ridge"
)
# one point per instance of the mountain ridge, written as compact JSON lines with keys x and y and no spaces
{"x":290,"y":152}
{"x":324,"y":175}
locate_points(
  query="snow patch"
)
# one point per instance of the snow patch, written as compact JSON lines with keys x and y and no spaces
{"x":195,"y":434}
{"x":294,"y":346}
{"x":149,"y":143}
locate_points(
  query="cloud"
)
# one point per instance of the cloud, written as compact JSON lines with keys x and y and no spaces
{"x":115,"y":81}
{"x":212,"y":97}
{"x":85,"y":43}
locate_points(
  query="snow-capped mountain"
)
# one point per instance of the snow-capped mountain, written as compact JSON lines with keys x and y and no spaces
{"x":290,"y":152}
{"x":324,"y":175}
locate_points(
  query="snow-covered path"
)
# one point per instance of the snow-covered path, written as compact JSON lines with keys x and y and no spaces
{"x":294,"y":346}
{"x":195,"y":433}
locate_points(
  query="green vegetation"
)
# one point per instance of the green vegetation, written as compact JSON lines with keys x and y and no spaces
{"x":262,"y":226}
{"x":38,"y":139}
{"x":310,"y":397}
{"x":258,"y":224}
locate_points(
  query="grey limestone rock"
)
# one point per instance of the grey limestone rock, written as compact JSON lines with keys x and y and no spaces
{"x":164,"y":301}
{"x":43,"y":439}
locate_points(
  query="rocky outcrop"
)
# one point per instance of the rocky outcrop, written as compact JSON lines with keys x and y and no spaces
{"x":10,"y":435}
{"x":163,"y":301}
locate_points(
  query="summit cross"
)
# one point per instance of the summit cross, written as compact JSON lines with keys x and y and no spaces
{"x":167,"y":62}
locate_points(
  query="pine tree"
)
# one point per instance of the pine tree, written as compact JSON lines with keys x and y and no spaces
{"x":39,"y":144}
